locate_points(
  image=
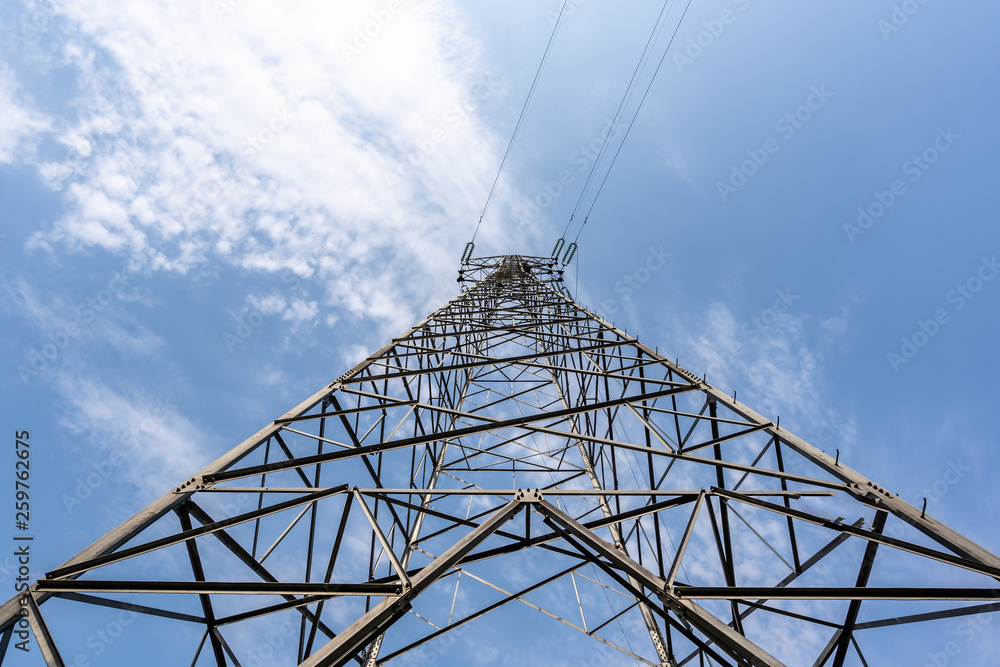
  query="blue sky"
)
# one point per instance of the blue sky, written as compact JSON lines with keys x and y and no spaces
{"x":211,"y":210}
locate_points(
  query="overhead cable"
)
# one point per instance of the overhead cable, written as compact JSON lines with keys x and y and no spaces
{"x":631,"y":122}
{"x":657,"y":28}
{"x":517,"y":126}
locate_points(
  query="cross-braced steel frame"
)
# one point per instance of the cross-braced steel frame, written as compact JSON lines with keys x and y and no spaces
{"x":514,"y":452}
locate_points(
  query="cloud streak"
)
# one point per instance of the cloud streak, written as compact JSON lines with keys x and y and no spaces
{"x":257,"y":143}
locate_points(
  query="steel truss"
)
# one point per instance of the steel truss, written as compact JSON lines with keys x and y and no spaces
{"x":513,"y":450}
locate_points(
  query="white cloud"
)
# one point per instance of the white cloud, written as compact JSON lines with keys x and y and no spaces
{"x":19,"y":122}
{"x":270,"y":303}
{"x":133,"y":434}
{"x":295,"y":310}
{"x":774,"y":364}
{"x":300,"y":310}
{"x":154,"y":443}
{"x":256,"y":138}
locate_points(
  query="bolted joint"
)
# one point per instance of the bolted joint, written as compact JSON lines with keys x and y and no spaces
{"x":528,"y":496}
{"x":192,"y":484}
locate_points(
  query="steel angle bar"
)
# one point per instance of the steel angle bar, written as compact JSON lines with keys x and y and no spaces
{"x":278,"y":540}
{"x":5,"y":642}
{"x":722,"y":634}
{"x":480,"y":361}
{"x":722,"y":438}
{"x":218,"y":587}
{"x":313,"y":436}
{"x":481,"y":612}
{"x":682,"y":547}
{"x":864,"y":489}
{"x":166,"y":503}
{"x":832,"y":593}
{"x":930,"y":616}
{"x":339,"y":413}
{"x":971,"y":564}
{"x":548,"y":492}
{"x":813,"y":560}
{"x":341,"y":649}
{"x":247,"y":558}
{"x":651,"y":428}
{"x":695,"y":416}
{"x":386,"y":547}
{"x":867,"y":563}
{"x":433,"y":437}
{"x":288,"y":453}
{"x":715,"y":463}
{"x":46,"y":645}
{"x":128,"y":606}
{"x":185,"y":535}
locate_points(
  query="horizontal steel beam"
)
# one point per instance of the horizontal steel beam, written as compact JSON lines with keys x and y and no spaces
{"x":218,"y":587}
{"x":831,"y":593}
{"x":526,"y":421}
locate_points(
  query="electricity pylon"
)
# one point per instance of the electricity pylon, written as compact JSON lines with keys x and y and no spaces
{"x":513,"y":451}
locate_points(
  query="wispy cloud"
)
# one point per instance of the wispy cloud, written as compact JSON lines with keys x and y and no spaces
{"x":20,"y":122}
{"x":138,"y":434}
{"x":774,"y":360}
{"x":261,"y":142}
{"x":133,"y":434}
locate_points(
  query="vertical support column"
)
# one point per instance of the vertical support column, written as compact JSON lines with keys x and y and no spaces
{"x":655,"y":636}
{"x":727,"y":543}
{"x":855,"y":606}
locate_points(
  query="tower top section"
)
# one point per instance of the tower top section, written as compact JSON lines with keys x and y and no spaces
{"x":510,"y":267}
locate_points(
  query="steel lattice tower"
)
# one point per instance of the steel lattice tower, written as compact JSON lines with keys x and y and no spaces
{"x":514,"y":451}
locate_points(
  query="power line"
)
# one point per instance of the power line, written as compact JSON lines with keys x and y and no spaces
{"x":657,"y":27}
{"x":517,"y":126}
{"x":631,"y":122}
